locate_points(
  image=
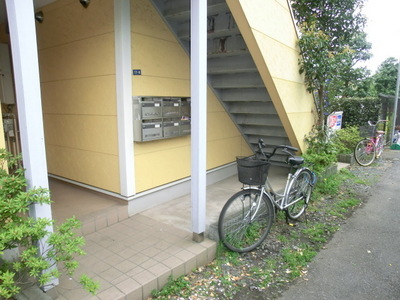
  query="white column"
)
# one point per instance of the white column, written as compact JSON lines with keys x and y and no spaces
{"x":396,"y":101}
{"x":27,"y":84}
{"x":124,"y":96}
{"x":198,"y":60}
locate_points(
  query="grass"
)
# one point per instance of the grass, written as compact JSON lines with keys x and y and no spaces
{"x":179,"y":287}
{"x":333,"y":200}
{"x":319,"y":233}
{"x":295,"y":260}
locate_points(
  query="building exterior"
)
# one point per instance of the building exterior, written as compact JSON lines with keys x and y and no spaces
{"x":94,"y":59}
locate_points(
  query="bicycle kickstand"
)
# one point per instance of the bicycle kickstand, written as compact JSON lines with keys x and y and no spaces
{"x":288,"y":221}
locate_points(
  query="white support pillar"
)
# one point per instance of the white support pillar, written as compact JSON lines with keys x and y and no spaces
{"x":198,"y":61}
{"x":396,"y":101}
{"x":27,"y":84}
{"x":124,"y":96}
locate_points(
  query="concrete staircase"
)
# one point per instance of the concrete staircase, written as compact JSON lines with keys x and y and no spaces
{"x":232,"y":73}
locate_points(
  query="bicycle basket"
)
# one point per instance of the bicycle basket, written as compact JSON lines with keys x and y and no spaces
{"x":252,"y":171}
{"x":367,"y":131}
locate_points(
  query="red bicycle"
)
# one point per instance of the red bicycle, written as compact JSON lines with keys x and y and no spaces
{"x":368,"y":149}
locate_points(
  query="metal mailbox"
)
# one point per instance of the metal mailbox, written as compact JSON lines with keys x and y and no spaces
{"x":171,"y":128}
{"x":151,"y":131}
{"x":185,"y":127}
{"x":151,"y":109}
{"x":185,"y":108}
{"x":171,"y":107}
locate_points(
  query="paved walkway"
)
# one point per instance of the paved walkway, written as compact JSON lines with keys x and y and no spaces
{"x":134,"y":257}
{"x":362,"y":261}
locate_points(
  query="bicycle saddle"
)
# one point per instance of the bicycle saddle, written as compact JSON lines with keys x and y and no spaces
{"x":295,"y":160}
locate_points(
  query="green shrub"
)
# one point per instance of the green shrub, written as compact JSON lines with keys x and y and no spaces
{"x":321,"y":152}
{"x":346,"y":139}
{"x":357,"y":111}
{"x":32,"y":261}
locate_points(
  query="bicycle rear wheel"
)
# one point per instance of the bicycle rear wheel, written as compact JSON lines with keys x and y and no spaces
{"x":245,"y":220}
{"x":380,"y":145}
{"x":299,"y":193}
{"x":365,"y":152}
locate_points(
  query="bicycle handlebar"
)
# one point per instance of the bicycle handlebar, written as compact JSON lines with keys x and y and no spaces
{"x":285,"y":148}
{"x":371,"y":123}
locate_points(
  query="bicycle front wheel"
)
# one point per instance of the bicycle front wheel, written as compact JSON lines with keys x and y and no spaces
{"x":299,"y":193}
{"x":245,"y":220}
{"x":365,"y":152}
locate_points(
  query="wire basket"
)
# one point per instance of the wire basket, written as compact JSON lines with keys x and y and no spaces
{"x":251,"y":170}
{"x":367,"y":131}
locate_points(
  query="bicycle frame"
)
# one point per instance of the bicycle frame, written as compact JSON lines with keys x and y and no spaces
{"x":377,"y":137}
{"x":370,"y":147}
{"x":279,"y":200}
{"x":376,"y":141}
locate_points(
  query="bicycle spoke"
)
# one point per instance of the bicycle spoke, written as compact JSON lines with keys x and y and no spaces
{"x":245,"y":220}
{"x":364,"y":152}
{"x":299,"y":193}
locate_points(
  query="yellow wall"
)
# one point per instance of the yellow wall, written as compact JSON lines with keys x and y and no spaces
{"x":166,"y":72}
{"x":76,"y":53}
{"x":76,"y":59}
{"x":269,"y":32}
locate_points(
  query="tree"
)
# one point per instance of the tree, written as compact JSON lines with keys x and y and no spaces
{"x":331,"y":42}
{"x":385,"y":77}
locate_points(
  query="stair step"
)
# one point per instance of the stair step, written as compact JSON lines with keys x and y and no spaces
{"x":249,"y":94}
{"x":227,"y":53}
{"x":247,"y":107}
{"x":259,"y":119}
{"x":231,"y":64}
{"x":226,"y":45}
{"x":219,"y":25}
{"x":270,"y":141}
{"x":183,"y":32}
{"x":263,"y":130}
{"x":175,"y":10}
{"x":238,"y":80}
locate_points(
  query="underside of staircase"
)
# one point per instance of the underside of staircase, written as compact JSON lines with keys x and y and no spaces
{"x":232,"y":73}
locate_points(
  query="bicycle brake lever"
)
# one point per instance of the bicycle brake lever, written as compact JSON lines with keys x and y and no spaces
{"x":261,"y":143}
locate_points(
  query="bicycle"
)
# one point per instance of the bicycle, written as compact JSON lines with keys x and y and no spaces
{"x":368,"y":149}
{"x":246,"y":218}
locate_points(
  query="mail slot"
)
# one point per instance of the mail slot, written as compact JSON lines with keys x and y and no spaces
{"x":151,"y":109}
{"x":185,"y":127}
{"x":171,"y":128}
{"x":171,"y":107}
{"x":185,"y":108}
{"x":151,"y":131}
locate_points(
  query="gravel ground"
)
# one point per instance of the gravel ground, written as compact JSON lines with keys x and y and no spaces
{"x":263,"y":273}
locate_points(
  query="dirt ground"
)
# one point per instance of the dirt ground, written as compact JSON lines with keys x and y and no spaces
{"x":262,"y":273}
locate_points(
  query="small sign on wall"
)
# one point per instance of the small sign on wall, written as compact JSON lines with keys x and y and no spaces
{"x":136,"y":72}
{"x":334,"y":120}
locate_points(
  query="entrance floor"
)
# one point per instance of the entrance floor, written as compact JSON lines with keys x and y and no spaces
{"x":131,"y":256}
